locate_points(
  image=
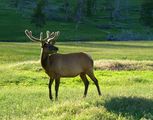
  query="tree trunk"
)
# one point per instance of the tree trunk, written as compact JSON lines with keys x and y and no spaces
{"x":80,"y":11}
{"x":67,"y":10}
{"x":116,"y":12}
{"x":127,"y":8}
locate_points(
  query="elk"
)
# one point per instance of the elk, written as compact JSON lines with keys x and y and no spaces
{"x":58,"y":65}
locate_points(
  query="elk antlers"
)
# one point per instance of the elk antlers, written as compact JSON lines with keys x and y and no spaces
{"x":51,"y":37}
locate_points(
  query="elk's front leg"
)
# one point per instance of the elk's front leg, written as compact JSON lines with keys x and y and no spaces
{"x":50,"y":88}
{"x":57,"y":82}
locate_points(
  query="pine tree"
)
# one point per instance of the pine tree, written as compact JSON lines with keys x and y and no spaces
{"x":147,"y":13}
{"x":80,"y":11}
{"x":38,"y":17}
{"x":89,"y":7}
{"x":14,"y":3}
{"x":67,"y":10}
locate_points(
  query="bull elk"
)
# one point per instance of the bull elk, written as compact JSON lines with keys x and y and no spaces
{"x":63,"y":65}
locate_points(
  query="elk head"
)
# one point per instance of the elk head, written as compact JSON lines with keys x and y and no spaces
{"x":47,"y":43}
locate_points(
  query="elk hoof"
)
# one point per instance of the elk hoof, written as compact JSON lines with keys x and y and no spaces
{"x":51,"y":98}
{"x":84,"y":96}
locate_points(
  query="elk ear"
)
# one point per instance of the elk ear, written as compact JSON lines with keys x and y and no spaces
{"x":52,"y":42}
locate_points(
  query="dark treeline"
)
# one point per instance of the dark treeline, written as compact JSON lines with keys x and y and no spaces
{"x":120,"y":19}
{"x":74,"y":10}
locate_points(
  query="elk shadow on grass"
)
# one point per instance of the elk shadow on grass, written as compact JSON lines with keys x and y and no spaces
{"x":136,"y":107}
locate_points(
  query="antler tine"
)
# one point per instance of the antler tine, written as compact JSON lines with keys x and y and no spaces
{"x":29,"y":35}
{"x":51,"y":34}
{"x":56,"y":36}
{"x":53,"y":39}
{"x":41,"y":36}
{"x":48,"y":35}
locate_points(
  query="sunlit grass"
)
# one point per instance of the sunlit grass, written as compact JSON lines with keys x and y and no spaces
{"x":24,"y":95}
{"x":117,"y":102}
{"x":17,"y":52}
{"x":126,"y":93}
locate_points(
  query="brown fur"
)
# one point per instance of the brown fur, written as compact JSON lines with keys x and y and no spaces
{"x":66,"y":65}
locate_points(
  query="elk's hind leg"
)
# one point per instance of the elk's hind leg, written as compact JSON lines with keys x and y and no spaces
{"x":94,"y":79}
{"x":86,"y":83}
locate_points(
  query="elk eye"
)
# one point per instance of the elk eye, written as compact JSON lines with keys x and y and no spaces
{"x":45,"y":45}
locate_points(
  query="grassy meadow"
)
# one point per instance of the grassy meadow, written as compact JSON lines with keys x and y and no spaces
{"x":126,"y":92}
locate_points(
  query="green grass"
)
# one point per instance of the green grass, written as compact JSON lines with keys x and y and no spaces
{"x":17,"y":52}
{"x":125,"y":94}
{"x":117,"y":102}
{"x":121,"y":99}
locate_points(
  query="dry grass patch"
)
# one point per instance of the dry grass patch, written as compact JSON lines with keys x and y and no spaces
{"x":123,"y":65}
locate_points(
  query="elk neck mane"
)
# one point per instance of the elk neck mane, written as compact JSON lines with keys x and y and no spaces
{"x":44,"y":58}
